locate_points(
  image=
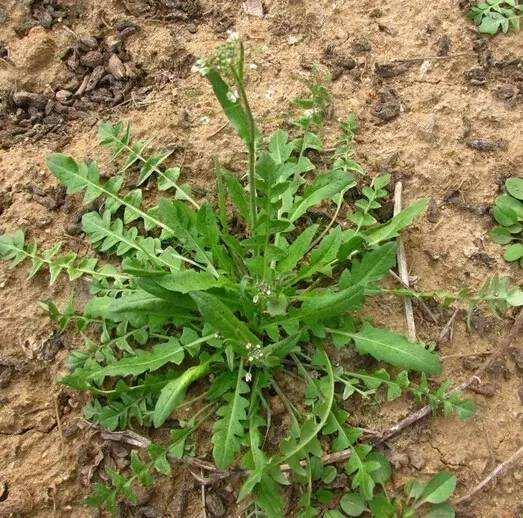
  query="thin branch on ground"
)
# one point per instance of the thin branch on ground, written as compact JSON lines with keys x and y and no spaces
{"x":501,"y":469}
{"x":403,"y":269}
{"x":432,"y":58}
{"x":447,"y":331}
{"x":420,"y":302}
{"x":202,"y":489}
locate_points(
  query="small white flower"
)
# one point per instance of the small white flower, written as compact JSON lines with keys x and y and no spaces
{"x":232,"y":35}
{"x":200,"y":67}
{"x":255,"y":299}
{"x":248,"y":377}
{"x":309,"y":113}
{"x":232,"y":95}
{"x":250,"y":358}
{"x":253,"y":66}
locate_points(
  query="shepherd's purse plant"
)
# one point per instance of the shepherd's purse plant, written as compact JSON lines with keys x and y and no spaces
{"x":213,"y":308}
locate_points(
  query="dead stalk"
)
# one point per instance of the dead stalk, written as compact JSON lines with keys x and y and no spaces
{"x":403,"y":269}
{"x":500,"y":470}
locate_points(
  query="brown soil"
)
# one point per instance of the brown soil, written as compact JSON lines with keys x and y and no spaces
{"x":420,"y":120}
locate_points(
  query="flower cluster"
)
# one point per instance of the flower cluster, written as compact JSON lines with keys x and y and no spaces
{"x":255,"y":352}
{"x":264,"y":290}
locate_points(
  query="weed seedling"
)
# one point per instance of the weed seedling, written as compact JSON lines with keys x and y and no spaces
{"x":493,"y":16}
{"x":508,"y":212}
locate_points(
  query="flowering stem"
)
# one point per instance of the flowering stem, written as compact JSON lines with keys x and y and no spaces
{"x":251,"y":145}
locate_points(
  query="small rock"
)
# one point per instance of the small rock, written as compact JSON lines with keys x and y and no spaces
{"x":127,"y":31}
{"x":387,"y":30}
{"x":294,"y":38}
{"x":89,"y":42}
{"x":50,"y":347}
{"x":361,"y":45}
{"x":416,"y":459}
{"x":70,"y":430}
{"x":480,"y":322}
{"x":390,"y":69}
{"x":73,"y":62}
{"x":25,"y":99}
{"x":472,"y":363}
{"x":505,"y":93}
{"x":112,"y":43}
{"x":116,"y":67}
{"x":253,"y":8}
{"x":486,"y":145}
{"x":192,"y":28}
{"x":92,"y":59}
{"x":429,"y":130}
{"x":337,"y":61}
{"x":63,"y":95}
{"x":214,"y":505}
{"x":73,"y":229}
{"x":148,"y":511}
{"x":276,"y":404}
{"x":398,"y":459}
{"x":5,"y":376}
{"x":387,"y":111}
{"x":443,"y":45}
{"x":95,"y":76}
{"x":433,"y":211}
{"x":516,"y":354}
{"x":485,"y":389}
{"x":476,"y":76}
{"x":498,"y":368}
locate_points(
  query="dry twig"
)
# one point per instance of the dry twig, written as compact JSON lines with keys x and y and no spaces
{"x":500,"y":470}
{"x":204,"y":507}
{"x":403,"y":269}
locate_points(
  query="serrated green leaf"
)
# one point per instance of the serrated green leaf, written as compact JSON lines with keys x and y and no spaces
{"x":232,"y":109}
{"x":297,"y":249}
{"x":230,"y":428}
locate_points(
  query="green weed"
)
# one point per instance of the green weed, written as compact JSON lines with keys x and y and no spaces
{"x":210,"y":307}
{"x":494,"y":16}
{"x":508,"y":212}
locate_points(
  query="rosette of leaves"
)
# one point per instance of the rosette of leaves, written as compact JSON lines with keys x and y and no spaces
{"x":508,"y":213}
{"x":208,"y":306}
{"x":493,"y":16}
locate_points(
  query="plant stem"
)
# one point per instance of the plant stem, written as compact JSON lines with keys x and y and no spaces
{"x":251,"y":146}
